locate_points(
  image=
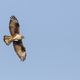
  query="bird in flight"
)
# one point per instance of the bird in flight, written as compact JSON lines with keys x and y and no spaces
{"x":15,"y":38}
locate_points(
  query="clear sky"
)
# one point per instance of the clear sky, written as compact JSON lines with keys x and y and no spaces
{"x":52,"y":39}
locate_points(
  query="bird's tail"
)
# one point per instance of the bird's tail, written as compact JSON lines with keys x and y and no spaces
{"x":7,"y":39}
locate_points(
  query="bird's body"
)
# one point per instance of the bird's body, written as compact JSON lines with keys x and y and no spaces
{"x":16,"y":38}
{"x":9,"y":39}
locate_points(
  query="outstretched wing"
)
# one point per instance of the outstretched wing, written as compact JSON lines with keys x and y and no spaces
{"x":20,"y":49}
{"x":14,"y":26}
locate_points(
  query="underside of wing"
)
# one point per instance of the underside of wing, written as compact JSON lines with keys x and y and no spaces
{"x":14,"y":25}
{"x":15,"y":38}
{"x":20,"y":49}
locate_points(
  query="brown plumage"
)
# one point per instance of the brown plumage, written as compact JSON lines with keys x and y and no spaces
{"x":16,"y":38}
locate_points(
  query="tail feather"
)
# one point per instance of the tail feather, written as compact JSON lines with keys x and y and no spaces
{"x":7,"y":39}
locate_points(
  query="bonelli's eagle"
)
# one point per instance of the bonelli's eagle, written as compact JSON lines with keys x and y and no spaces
{"x":15,"y":38}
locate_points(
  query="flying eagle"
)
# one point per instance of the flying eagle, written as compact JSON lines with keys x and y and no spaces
{"x":15,"y":38}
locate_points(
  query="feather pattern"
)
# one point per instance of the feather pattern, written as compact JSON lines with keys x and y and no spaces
{"x":16,"y":38}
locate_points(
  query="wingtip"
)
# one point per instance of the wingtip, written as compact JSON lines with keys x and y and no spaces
{"x":23,"y":58}
{"x":13,"y":18}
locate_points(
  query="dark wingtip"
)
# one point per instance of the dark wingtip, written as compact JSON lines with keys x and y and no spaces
{"x":13,"y":17}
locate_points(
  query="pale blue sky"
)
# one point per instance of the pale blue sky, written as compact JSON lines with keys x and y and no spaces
{"x":52,"y":38}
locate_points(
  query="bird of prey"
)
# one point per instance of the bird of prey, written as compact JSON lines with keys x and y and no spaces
{"x":15,"y":38}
